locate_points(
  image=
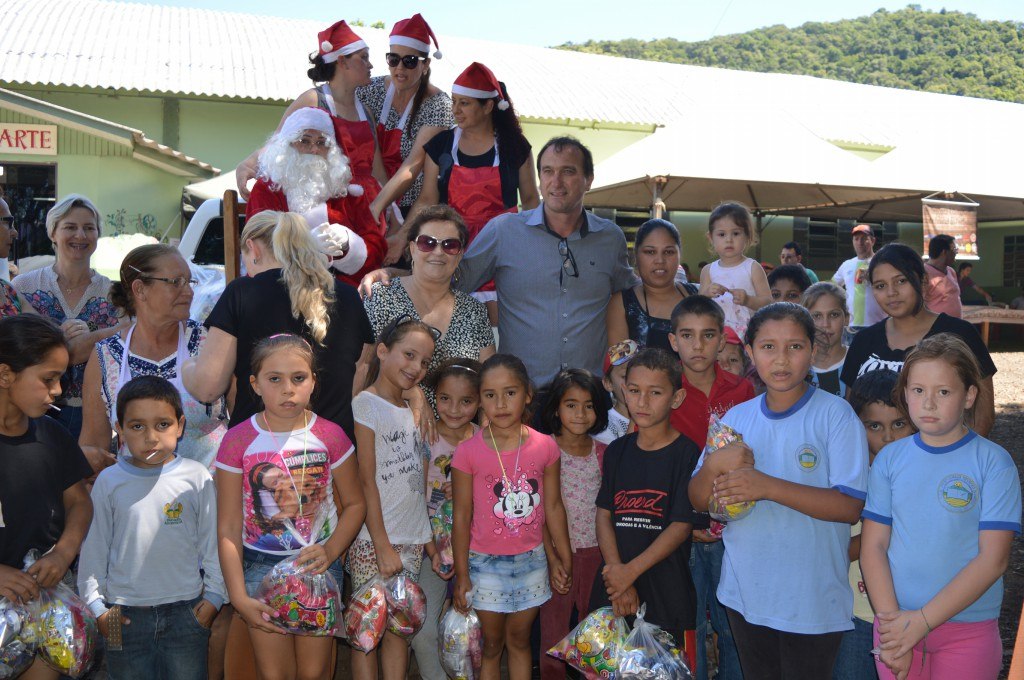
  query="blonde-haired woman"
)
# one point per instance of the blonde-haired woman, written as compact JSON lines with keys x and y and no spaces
{"x":288,"y":290}
{"x":72,"y":294}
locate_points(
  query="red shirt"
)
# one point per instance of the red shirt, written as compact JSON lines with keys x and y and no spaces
{"x":691,"y":418}
{"x":350,"y":211}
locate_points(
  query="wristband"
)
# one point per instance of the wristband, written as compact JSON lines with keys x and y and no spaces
{"x":925,"y":618}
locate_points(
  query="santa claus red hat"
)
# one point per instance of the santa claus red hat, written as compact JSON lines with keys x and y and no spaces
{"x":338,"y":41}
{"x":414,"y":32}
{"x":308,"y":118}
{"x":479,"y":82}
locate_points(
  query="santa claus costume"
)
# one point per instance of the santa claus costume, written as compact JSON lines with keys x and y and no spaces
{"x":357,"y":138}
{"x":335,"y":208}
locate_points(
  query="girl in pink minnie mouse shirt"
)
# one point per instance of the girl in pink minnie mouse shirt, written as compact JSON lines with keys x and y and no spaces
{"x":506,"y":486}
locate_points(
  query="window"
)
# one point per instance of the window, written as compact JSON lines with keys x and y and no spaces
{"x":1013,"y":261}
{"x":30,"y":190}
{"x":827,"y":244}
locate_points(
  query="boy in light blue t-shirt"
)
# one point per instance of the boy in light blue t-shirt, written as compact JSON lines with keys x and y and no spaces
{"x":804,"y":460}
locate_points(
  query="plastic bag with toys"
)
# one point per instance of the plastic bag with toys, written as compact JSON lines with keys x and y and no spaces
{"x":720,"y":434}
{"x":649,"y":653}
{"x":592,"y":647}
{"x":366,"y":616}
{"x":460,"y":643}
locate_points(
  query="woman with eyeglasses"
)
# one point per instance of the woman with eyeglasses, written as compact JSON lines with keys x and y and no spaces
{"x":73,"y":295}
{"x":409,"y":111}
{"x":436,"y":240}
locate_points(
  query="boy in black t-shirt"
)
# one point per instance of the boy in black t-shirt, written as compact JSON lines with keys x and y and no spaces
{"x":644,"y":516}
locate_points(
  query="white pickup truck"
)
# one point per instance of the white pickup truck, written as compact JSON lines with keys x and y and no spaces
{"x":202,"y":246}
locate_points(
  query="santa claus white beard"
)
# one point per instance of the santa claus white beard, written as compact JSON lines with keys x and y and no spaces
{"x":306,"y":179}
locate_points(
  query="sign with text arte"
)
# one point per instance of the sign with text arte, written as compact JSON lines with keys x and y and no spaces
{"x":26,"y":139}
{"x":959,"y":219}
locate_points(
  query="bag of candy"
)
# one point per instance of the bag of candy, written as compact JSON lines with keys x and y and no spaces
{"x":66,"y":630}
{"x":460,"y":643}
{"x":366,"y":616}
{"x":407,"y":605}
{"x":593,"y":645}
{"x":441,"y":526}
{"x":720,"y":434}
{"x":646,"y":655}
{"x":18,"y":641}
{"x":306,"y":603}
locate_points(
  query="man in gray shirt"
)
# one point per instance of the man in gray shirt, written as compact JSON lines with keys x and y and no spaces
{"x":555,"y":268}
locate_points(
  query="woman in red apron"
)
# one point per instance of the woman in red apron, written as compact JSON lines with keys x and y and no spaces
{"x":483,"y":167}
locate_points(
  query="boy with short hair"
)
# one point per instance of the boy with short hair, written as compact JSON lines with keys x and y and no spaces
{"x":644,"y":516}
{"x":698,"y":335}
{"x":153,"y":530}
{"x":615,"y":362}
{"x":871,"y":399}
{"x":788,"y":283}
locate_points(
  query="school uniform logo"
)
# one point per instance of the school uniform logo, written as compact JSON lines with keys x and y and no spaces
{"x":172,"y":513}
{"x":958,"y":492}
{"x":807,"y":458}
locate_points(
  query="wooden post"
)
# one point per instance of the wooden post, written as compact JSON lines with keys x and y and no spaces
{"x":1017,"y":662}
{"x":232,"y":247}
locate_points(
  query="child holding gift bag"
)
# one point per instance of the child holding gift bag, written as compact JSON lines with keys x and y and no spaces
{"x":314,"y":457}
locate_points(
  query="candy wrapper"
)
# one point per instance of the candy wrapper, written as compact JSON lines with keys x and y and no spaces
{"x":592,"y":646}
{"x":407,"y":605}
{"x":18,"y":639}
{"x":646,"y":655}
{"x":66,"y":630}
{"x":460,"y":643}
{"x":441,"y":526}
{"x":720,"y":434}
{"x":366,"y":616}
{"x":306,"y":603}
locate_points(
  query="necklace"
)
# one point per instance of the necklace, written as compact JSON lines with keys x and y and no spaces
{"x":504,"y":476}
{"x":510,"y":496}
{"x":300,"y":520}
{"x":71,"y":289}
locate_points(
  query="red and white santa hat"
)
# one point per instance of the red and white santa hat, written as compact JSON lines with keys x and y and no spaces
{"x":479,"y":82}
{"x":308,"y":118}
{"x":414,"y":32}
{"x":338,"y":41}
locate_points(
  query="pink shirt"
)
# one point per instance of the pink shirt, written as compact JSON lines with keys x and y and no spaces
{"x":943,"y":294}
{"x":508,"y":517}
{"x":286,"y":482}
{"x":581,"y":480}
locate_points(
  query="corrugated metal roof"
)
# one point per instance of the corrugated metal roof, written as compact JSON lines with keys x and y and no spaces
{"x":124,"y":46}
{"x":142,"y":147}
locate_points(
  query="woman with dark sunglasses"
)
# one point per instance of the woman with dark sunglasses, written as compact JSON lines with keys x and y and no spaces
{"x":437,"y":237}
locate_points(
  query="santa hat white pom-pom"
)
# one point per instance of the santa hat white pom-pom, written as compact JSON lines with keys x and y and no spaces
{"x":326,"y":46}
{"x":437,"y":54}
{"x":503,"y":105}
{"x":355,"y":190}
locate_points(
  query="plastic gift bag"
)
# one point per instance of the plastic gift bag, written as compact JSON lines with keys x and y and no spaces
{"x":441,"y":527}
{"x":407,"y":605}
{"x":18,"y":639}
{"x":647,"y":654}
{"x":592,"y":646}
{"x":66,"y":631}
{"x":720,"y":434}
{"x":306,"y":603}
{"x":366,"y":616}
{"x":460,"y":643}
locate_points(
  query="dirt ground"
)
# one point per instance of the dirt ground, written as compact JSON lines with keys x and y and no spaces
{"x":1009,"y":433}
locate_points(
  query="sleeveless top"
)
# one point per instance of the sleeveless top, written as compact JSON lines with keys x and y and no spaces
{"x":736,"y":316}
{"x":647,"y":330}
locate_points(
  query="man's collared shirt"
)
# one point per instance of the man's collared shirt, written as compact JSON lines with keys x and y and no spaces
{"x":547,"y":317}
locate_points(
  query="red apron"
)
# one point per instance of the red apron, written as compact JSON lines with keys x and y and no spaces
{"x":357,"y":142}
{"x":475,"y":193}
{"x":391,"y":140}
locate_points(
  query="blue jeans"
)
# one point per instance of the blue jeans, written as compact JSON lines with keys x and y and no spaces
{"x":855,"y":661}
{"x":165,"y":642}
{"x":706,"y":569}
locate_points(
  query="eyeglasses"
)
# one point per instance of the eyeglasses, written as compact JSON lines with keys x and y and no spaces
{"x":178,"y":282}
{"x":427,"y":244}
{"x":309,"y":143}
{"x":568,"y":261}
{"x":403,"y":319}
{"x":410,"y":61}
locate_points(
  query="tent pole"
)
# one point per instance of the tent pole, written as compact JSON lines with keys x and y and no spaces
{"x":658,"y":205}
{"x":759,"y":227}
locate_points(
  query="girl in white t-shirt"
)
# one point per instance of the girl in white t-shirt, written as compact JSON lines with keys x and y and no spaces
{"x":735,"y":281}
{"x":390,"y":452}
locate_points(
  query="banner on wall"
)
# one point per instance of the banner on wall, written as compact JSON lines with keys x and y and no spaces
{"x":958,"y":219}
